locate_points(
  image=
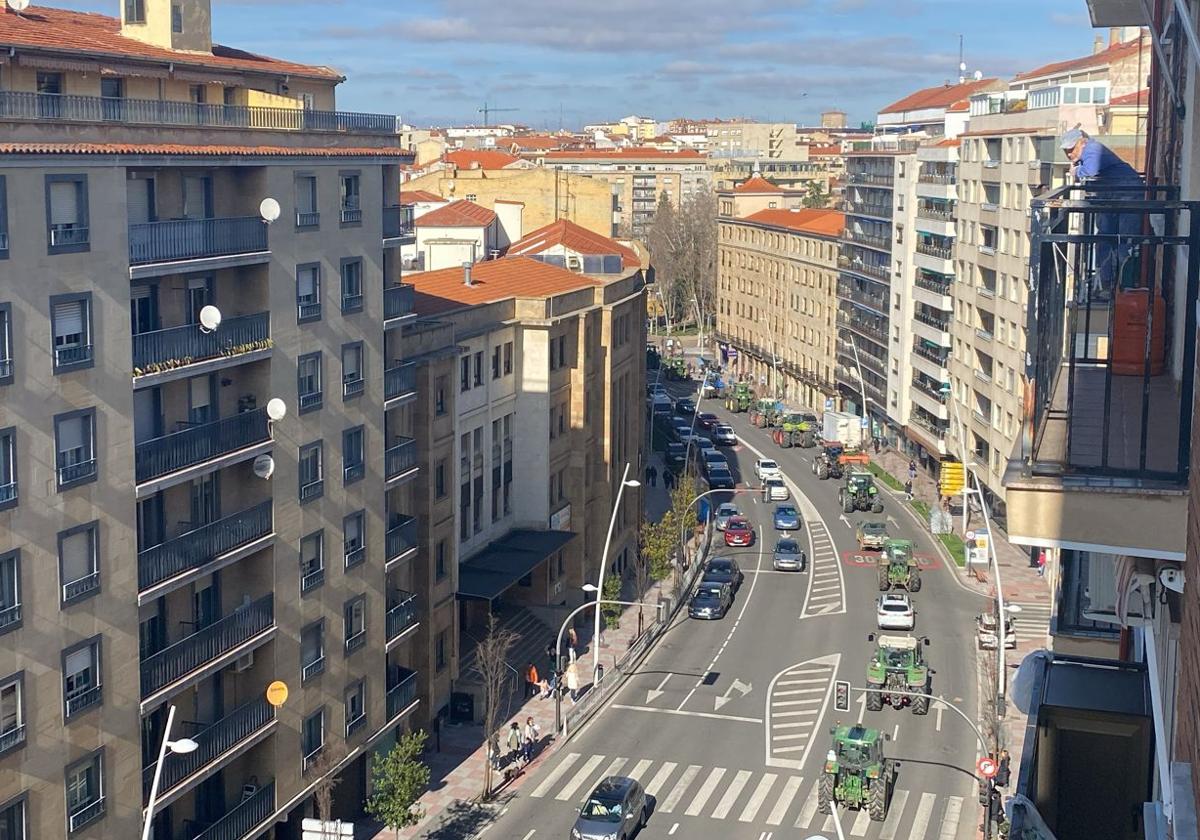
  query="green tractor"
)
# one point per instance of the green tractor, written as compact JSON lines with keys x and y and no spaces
{"x":898,"y":566}
{"x":765,"y":413}
{"x":856,"y":773}
{"x":859,"y":493}
{"x":796,"y":429}
{"x":739,"y":398}
{"x":676,"y":368}
{"x":898,"y":666}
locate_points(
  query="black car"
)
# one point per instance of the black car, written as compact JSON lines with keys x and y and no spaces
{"x":720,"y":478}
{"x":707,"y":420}
{"x":712,"y":600}
{"x":685,"y":405}
{"x":676,"y":455}
{"x":723,"y":570}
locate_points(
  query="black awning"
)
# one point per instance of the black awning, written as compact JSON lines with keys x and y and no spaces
{"x":1098,"y":686}
{"x":505,"y":561}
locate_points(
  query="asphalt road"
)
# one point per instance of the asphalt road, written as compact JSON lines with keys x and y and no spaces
{"x":726,"y":722}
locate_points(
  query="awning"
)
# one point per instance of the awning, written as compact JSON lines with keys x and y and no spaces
{"x":1096,"y":686}
{"x":505,"y":561}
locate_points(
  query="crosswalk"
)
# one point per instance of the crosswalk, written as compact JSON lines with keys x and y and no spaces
{"x":1032,"y":623}
{"x":754,"y":797}
{"x":796,"y":701}
{"x":826,"y":587}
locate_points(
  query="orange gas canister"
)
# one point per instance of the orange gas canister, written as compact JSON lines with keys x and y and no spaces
{"x":1130,"y":323}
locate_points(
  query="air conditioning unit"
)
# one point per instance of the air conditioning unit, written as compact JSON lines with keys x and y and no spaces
{"x":243,"y":663}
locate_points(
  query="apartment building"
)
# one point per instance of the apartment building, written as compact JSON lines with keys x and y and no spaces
{"x":203,"y":458}
{"x":776,"y":282}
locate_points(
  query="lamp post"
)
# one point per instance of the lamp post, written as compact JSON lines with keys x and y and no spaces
{"x":180,"y":747}
{"x":626,"y":481}
{"x":862,"y":381}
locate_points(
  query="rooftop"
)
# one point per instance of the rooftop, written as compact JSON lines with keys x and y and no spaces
{"x":631,"y":153}
{"x":815,"y":221}
{"x":1137,"y":98}
{"x":942,"y":96}
{"x":460,"y":213}
{"x":756,"y":186}
{"x":480,"y":159}
{"x":575,"y":238}
{"x":1103,"y":58}
{"x":416,"y":196}
{"x":208,"y":150}
{"x":442,"y":291}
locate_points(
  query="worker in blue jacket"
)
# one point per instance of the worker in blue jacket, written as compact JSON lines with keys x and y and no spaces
{"x":1096,"y":164}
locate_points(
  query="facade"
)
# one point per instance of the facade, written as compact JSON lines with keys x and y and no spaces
{"x":204,"y":439}
{"x":776,"y":280}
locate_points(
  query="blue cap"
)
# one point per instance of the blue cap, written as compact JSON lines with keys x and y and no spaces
{"x":1072,"y":137}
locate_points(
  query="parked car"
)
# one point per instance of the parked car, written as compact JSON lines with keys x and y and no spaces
{"x":616,"y":808}
{"x":894,"y":611}
{"x":724,"y":513}
{"x":787,"y":518}
{"x":653,"y":388}
{"x":788,"y":556}
{"x":774,"y":490}
{"x":711,"y":600}
{"x":703,"y":442}
{"x":723,"y":570}
{"x":707,"y":420}
{"x":676,"y":455}
{"x":765,"y":468}
{"x":739,"y":532}
{"x":720,"y":479}
{"x":681,"y":428}
{"x":724,"y":435}
{"x":685,"y":406}
{"x":713,"y":458}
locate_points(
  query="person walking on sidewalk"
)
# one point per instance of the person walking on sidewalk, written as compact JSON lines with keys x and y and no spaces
{"x":572,"y":643}
{"x":1041,"y":564}
{"x":572,"y":682}
{"x":514,"y":741}
{"x":530,"y":739}
{"x":908,"y":489}
{"x":653,"y":470}
{"x":494,"y":751}
{"x":668,"y":480}
{"x":531,"y":681}
{"x":912,"y":471}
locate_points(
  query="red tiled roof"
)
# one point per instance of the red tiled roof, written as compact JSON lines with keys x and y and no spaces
{"x":479,"y":159}
{"x":960,"y":106}
{"x":1137,"y":98}
{"x":537,"y":142}
{"x":815,"y":221}
{"x":508,"y":277}
{"x":757,"y":185}
{"x":200,"y":151}
{"x":633,"y":152}
{"x":457,"y":214}
{"x":942,"y":96}
{"x":99,"y":36}
{"x":575,"y":238}
{"x":1105,"y":56}
{"x":830,"y":149}
{"x":415,"y":196}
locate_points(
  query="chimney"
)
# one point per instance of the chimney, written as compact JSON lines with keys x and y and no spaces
{"x":1114,"y":35}
{"x":467,"y":274}
{"x":1098,"y":45}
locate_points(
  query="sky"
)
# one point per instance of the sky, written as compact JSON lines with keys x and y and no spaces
{"x":571,"y":62}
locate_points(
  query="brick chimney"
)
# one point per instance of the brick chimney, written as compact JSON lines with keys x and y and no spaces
{"x":1098,"y":45}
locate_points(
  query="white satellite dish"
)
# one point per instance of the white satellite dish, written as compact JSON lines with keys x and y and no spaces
{"x":978,"y":75}
{"x":276,"y":408}
{"x":18,"y":5}
{"x":210,"y":319}
{"x":268,"y":208}
{"x":264,"y":466}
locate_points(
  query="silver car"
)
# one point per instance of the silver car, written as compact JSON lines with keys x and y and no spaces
{"x":615,"y":810}
{"x":724,"y":513}
{"x":788,"y":557}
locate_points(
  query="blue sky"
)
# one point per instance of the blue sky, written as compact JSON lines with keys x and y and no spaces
{"x":435,"y":61}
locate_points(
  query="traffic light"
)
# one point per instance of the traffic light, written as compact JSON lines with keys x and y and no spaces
{"x":953,"y":478}
{"x":841,"y":696}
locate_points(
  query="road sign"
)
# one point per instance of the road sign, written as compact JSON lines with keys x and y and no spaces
{"x":863,"y":422}
{"x":953,"y":479}
{"x":986,"y":767}
{"x":828,"y":404}
{"x":970,"y":536}
{"x":277,"y":693}
{"x":841,"y":696}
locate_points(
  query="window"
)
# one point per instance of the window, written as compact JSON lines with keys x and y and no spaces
{"x":135,"y":11}
{"x":495,"y":362}
{"x":439,"y":479}
{"x":8,"y":467}
{"x":356,"y":706}
{"x":464,"y":374}
{"x":354,"y":623}
{"x":562,"y":351}
{"x":351,"y":208}
{"x":439,"y":397}
{"x":312,"y":737}
{"x":352,"y":288}
{"x":562,"y":419}
{"x":307,"y":216}
{"x":308,"y":292}
{"x":312,"y":650}
{"x":439,"y":563}
{"x":10,"y":591}
{"x":67,"y":213}
{"x":508,"y":357}
{"x":79,"y":562}
{"x":308,"y":382}
{"x":553,"y":354}
{"x":85,"y":791}
{"x":176,"y":18}
{"x":353,"y":454}
{"x":312,"y":471}
{"x":354,"y":542}
{"x":312,"y":561}
{"x":71,"y":322}
{"x":439,"y":652}
{"x":3,"y":220}
{"x":6,"y":339}
{"x":12,"y":818}
{"x":478,"y":367}
{"x":12,"y":716}
{"x":75,"y":447}
{"x":352,"y":370}
{"x":81,"y":677}
{"x":1074,"y":601}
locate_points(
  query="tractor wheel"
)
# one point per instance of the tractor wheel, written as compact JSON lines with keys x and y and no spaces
{"x":825,"y":794}
{"x":822,"y":472}
{"x":848,"y":504}
{"x":877,"y":804}
{"x":874,"y":701}
{"x":785,"y":440}
{"x":920,"y":705}
{"x":914,"y":581}
{"x":883,"y":580}
{"x":877,"y":506}
{"x":807,"y":441}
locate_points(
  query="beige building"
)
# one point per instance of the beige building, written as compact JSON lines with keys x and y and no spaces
{"x":206,"y":442}
{"x":776,"y":298}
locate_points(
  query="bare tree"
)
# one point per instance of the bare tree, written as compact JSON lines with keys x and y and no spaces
{"x":327,"y":780}
{"x":491,"y":663}
{"x":683,"y":251}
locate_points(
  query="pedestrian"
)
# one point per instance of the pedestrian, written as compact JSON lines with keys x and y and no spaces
{"x":668,"y":480}
{"x":514,"y":741}
{"x":1041,"y":564}
{"x":572,"y":682}
{"x":908,"y":489}
{"x":876,"y":443}
{"x":552,"y":656}
{"x":494,"y":751}
{"x":912,"y":470}
{"x":531,"y":736}
{"x":531,"y":681}
{"x":572,"y":643}
{"x":653,"y":476}
{"x":1003,"y":771}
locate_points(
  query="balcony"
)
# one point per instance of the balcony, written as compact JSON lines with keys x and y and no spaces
{"x":12,"y":738}
{"x":400,"y":381}
{"x":938,"y":430}
{"x":935,"y":178}
{"x":1107,"y":431}
{"x":195,"y":550}
{"x":177,"y":348}
{"x":939,"y":284}
{"x":872,"y":209}
{"x":193,"y":446}
{"x":218,"y":743}
{"x":91,"y":812}
{"x":184,"y":240}
{"x":401,"y":538}
{"x":935,"y":214}
{"x":403,"y":693}
{"x":84,"y":699}
{"x":73,"y":473}
{"x":8,"y":493}
{"x":400,"y":459}
{"x":10,"y":615}
{"x":869,"y":239}
{"x":858,"y":265}
{"x":246,"y":818}
{"x":196,"y":654}
{"x":398,"y":301}
{"x":849,"y":291}
{"x":397,"y":222}
{"x":941,"y":252}
{"x":874,"y":330}
{"x":930,"y":389}
{"x":939,"y":356}
{"x":403,"y":616}
{"x":938,"y":322}
{"x":870,"y":179}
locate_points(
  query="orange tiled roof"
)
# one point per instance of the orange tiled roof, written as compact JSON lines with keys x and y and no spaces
{"x":415,"y":196}
{"x":508,"y":277}
{"x":460,"y":213}
{"x":200,"y":151}
{"x":1106,"y":56}
{"x":1137,"y":98}
{"x":830,"y":149}
{"x":574,"y":238}
{"x":942,"y":96}
{"x":815,"y":221}
{"x":537,"y":142}
{"x":757,"y":185}
{"x":633,"y":152}
{"x":479,"y":159}
{"x":99,"y":36}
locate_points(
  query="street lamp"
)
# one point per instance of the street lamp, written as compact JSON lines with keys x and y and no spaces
{"x":862,"y":380}
{"x":180,"y":747}
{"x":626,"y":481}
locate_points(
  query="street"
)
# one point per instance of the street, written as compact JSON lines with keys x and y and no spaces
{"x":726,"y":723}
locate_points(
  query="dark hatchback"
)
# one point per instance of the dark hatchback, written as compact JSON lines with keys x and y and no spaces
{"x":676,"y":455}
{"x":720,"y":478}
{"x":723,"y":570}
{"x":708,"y":420}
{"x":712,"y":600}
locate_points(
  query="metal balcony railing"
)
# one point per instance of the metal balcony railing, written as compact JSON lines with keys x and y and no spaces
{"x":401,"y":694}
{"x":861,"y":266}
{"x":939,"y":251}
{"x":932,"y":390}
{"x":939,"y":429}
{"x":400,"y":457}
{"x":69,"y":473}
{"x":308,"y":218}
{"x":873,"y":179}
{"x":10,"y":614}
{"x":351,"y":215}
{"x":214,"y":742}
{"x":400,"y":380}
{"x":401,"y":537}
{"x":398,"y":300}
{"x":936,"y":214}
{"x":3,"y":241}
{"x":932,"y":282}
{"x":6,"y":367}
{"x":12,"y":737}
{"x":80,"y":586}
{"x":874,"y":331}
{"x":87,"y":813}
{"x":397,"y":221}
{"x":189,"y":344}
{"x":72,"y":355}
{"x":8,"y":492}
{"x":247,"y":815}
{"x":403,"y":615}
{"x":867,"y":239}
{"x":1106,"y":402}
{"x":195,"y":548}
{"x":352,"y":303}
{"x":938,"y":322}
{"x":206,"y":644}
{"x":179,"y":450}
{"x":84,"y":699}
{"x":939,"y":357}
{"x":70,"y":234}
{"x":935,"y":178}
{"x":848,"y":291}
{"x":864,"y":208}
{"x":192,"y":239}
{"x":353,"y":387}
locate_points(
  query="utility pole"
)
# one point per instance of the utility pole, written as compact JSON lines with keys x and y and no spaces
{"x":486,"y":111}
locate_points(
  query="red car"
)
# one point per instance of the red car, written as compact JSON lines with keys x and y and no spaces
{"x":739,"y":532}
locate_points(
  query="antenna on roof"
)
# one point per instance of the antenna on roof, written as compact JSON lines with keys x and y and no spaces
{"x":962,"y":64}
{"x":18,"y":6}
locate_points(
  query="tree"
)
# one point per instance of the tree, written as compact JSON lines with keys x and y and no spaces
{"x":659,"y":540}
{"x":491,"y":663}
{"x":816,"y":196}
{"x":397,"y":780}
{"x":323,"y":768}
{"x":612,"y":592}
{"x":683,"y":251}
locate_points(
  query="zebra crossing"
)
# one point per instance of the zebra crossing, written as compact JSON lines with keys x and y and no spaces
{"x":773,"y":799}
{"x":1032,"y":623}
{"x":796,"y":702}
{"x":826,"y":587}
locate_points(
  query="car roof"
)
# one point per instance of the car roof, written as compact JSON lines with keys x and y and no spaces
{"x":783,"y":508}
{"x":738,"y":520}
{"x":612,"y":787}
{"x":772,"y":479}
{"x":787,"y":545}
{"x":898,"y":597}
{"x":718,"y":469}
{"x":767,"y":461}
{"x":728,"y":506}
{"x":724,"y":427}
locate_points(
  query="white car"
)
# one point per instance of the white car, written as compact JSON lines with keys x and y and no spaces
{"x":774,"y":490}
{"x":894,"y":611}
{"x":765,"y":468}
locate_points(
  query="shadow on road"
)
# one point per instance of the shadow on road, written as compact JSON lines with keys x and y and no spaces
{"x":902,"y":761}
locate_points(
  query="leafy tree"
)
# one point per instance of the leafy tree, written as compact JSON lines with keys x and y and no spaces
{"x":816,"y":196}
{"x":659,"y":541}
{"x":612,"y":592}
{"x":397,"y":780}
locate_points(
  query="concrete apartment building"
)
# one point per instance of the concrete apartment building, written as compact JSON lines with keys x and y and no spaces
{"x":168,"y":537}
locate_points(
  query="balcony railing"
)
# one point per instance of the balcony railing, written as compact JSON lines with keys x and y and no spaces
{"x":403,"y":615}
{"x":931,"y":390}
{"x":6,"y":367}
{"x":68,"y":355}
{"x":878,"y":180}
{"x":192,"y":239}
{"x":400,"y":458}
{"x":10,"y":615}
{"x":12,"y":737}
{"x":247,"y":815}
{"x":398,"y":300}
{"x":933,"y":283}
{"x":847,"y":291}
{"x":195,"y":548}
{"x":214,"y":741}
{"x":873,"y":331}
{"x":78,"y":471}
{"x":179,"y":450}
{"x":351,"y":215}
{"x":401,"y":695}
{"x":189,"y":344}
{"x":353,"y":387}
{"x":935,"y":178}
{"x":87,"y":813}
{"x":867,"y":239}
{"x":308,"y":218}
{"x":397,"y":221}
{"x":939,"y":356}
{"x":938,"y":322}
{"x":864,"y":208}
{"x":84,"y":699}
{"x":80,"y":586}
{"x":861,"y":266}
{"x":62,"y":236}
{"x":938,"y":430}
{"x":399,"y":380}
{"x":217,"y":639}
{"x":939,"y":251}
{"x":401,"y":537}
{"x":936,"y":214}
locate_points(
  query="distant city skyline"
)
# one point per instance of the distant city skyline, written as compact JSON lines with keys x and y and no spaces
{"x":570,"y":62}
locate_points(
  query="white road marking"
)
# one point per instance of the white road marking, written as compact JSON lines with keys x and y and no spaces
{"x":677,"y":792}
{"x":808,"y":810}
{"x":550,"y":780}
{"x":921,"y":820}
{"x":845,"y":521}
{"x":654,"y":693}
{"x":796,"y":691}
{"x":790,"y":737}
{"x":673,"y":828}
{"x":725,"y":805}
{"x":706,"y":790}
{"x":862,"y":706}
{"x":686,"y":714}
{"x":532,"y":832}
{"x":660,"y":778}
{"x":785,"y":800}
{"x":579,"y":778}
{"x":859,"y":828}
{"x":639,"y":769}
{"x":757,"y":797}
{"x":950,"y":820}
{"x":803,"y":702}
{"x":805,"y":680}
{"x":938,"y":708}
{"x":895,"y":811}
{"x":896,"y":733}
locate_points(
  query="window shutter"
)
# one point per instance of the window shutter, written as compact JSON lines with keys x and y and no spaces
{"x":70,"y":434}
{"x":78,"y":660}
{"x":75,"y":556}
{"x":200,"y":390}
{"x":64,"y":206}
{"x":306,"y":283}
{"x":68,"y":319}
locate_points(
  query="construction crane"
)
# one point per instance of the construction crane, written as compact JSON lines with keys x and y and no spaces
{"x":485,"y":110}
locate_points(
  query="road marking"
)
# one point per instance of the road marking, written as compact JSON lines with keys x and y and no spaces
{"x":677,"y":792}
{"x":686,"y":714}
{"x":660,"y":778}
{"x":892,"y":823}
{"x":921,"y":820}
{"x":896,"y":733}
{"x":731,"y":795}
{"x":785,"y":800}
{"x":862,"y":706}
{"x":790,"y":725}
{"x":532,"y":832}
{"x":673,"y":828}
{"x":805,"y":680}
{"x":809,"y":809}
{"x":578,"y":779}
{"x":796,"y":691}
{"x":758,"y":797}
{"x":790,"y":737}
{"x":938,"y":708}
{"x":808,"y":701}
{"x":549,"y":781}
{"x":950,"y":820}
{"x":706,"y":790}
{"x":845,"y":521}
{"x":654,"y":693}
{"x":639,"y":769}
{"x":861,"y":822}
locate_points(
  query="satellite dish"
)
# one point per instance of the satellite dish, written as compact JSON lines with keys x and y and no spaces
{"x":978,"y":75}
{"x":268,"y":208}
{"x":210,"y":319}
{"x":264,"y":466}
{"x":962,"y":66}
{"x":18,"y":5}
{"x":276,"y":408}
